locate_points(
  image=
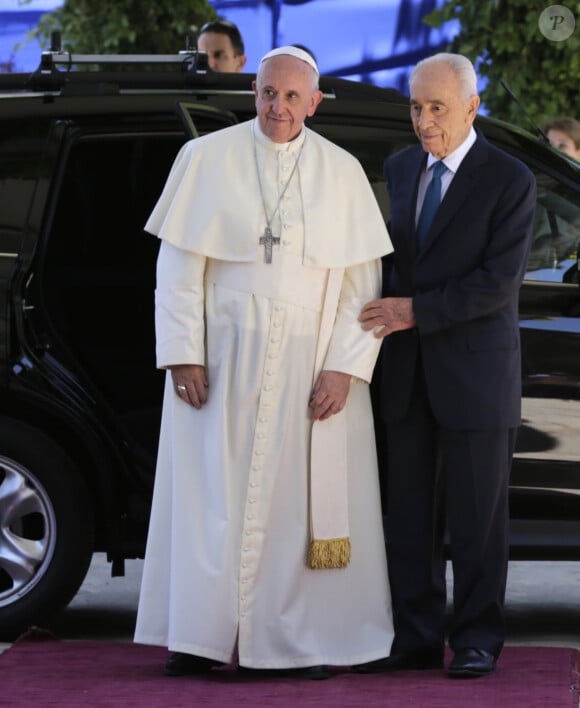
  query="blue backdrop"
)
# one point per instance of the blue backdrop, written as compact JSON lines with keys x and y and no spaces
{"x":368,"y":40}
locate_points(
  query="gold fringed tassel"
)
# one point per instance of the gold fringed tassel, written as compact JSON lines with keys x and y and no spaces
{"x":330,"y":553}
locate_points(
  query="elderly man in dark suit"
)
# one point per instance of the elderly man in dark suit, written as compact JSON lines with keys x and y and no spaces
{"x":461,"y":222}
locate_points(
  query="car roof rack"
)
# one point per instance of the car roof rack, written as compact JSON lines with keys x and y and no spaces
{"x":64,"y":72}
{"x":48,"y":75}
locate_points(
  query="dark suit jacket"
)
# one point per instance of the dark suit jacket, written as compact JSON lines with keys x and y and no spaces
{"x":464,"y":284}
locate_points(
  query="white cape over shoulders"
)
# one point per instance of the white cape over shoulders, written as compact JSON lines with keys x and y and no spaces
{"x":186,"y":216}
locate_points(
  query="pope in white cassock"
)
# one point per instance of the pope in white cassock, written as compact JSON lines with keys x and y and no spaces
{"x":265,"y":537}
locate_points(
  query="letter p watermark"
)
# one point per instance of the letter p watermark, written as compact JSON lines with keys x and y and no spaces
{"x":557,"y":23}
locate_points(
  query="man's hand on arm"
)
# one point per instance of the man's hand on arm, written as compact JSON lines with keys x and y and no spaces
{"x":390,"y":314}
{"x":329,"y":394}
{"x":190,"y":383}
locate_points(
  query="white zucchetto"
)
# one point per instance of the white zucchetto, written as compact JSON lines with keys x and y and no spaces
{"x":293,"y":52}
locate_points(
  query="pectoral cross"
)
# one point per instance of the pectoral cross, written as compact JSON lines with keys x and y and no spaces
{"x":267,"y":240}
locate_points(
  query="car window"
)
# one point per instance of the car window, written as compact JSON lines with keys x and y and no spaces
{"x":97,"y":269}
{"x":556,"y":233}
{"x":21,"y":147}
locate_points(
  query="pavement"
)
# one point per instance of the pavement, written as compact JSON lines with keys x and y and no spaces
{"x":542,"y":604}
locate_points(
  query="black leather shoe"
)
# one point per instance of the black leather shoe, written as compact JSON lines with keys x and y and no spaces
{"x":471,"y":663}
{"x":180,"y":664}
{"x":420,"y":660}
{"x":311,"y":673}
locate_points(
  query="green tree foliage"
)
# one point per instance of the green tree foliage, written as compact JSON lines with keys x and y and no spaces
{"x":503,"y":39}
{"x":124,"y":26}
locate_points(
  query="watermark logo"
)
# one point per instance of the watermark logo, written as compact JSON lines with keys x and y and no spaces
{"x":557,"y":23}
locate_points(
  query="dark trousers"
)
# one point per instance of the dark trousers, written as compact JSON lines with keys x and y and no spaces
{"x":456,"y":479}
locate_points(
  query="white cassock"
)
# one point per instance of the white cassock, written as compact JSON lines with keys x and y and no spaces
{"x":225,"y":565}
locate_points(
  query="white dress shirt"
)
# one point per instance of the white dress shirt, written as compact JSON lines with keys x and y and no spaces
{"x":452,"y":162}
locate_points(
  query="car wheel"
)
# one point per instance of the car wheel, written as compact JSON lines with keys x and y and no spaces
{"x":46,"y":528}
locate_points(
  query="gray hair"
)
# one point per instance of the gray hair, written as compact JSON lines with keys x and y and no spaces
{"x":459,"y":65}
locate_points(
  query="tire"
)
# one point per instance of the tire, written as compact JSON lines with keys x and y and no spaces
{"x":46,"y":528}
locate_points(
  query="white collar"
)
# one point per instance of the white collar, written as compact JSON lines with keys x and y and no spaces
{"x":265,"y":141}
{"x":455,"y":158}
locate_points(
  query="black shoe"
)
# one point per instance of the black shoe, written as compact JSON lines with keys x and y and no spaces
{"x":471,"y":663}
{"x":419,"y":660}
{"x":180,"y":664}
{"x":311,"y":673}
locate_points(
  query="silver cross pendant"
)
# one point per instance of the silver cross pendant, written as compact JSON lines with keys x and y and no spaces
{"x":267,"y":240}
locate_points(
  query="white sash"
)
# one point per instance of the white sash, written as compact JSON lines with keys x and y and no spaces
{"x":284,"y":279}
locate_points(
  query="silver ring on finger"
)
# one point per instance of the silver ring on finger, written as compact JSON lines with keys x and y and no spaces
{"x":181,"y":387}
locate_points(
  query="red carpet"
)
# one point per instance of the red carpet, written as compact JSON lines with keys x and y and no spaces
{"x":90,"y":673}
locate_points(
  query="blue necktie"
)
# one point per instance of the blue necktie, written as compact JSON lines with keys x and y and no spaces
{"x":430,"y":203}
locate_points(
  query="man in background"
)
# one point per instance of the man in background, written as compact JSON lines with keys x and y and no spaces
{"x":564,"y":134}
{"x":223,"y":43}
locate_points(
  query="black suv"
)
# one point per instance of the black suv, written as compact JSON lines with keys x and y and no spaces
{"x":83,"y":158}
